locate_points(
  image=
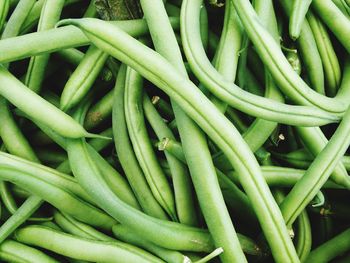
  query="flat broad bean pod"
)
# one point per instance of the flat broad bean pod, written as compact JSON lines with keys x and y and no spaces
{"x":156,"y":69}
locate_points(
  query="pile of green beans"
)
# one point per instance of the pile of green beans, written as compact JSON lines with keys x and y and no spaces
{"x":174,"y":131}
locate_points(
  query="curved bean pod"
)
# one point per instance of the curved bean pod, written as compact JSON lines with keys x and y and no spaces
{"x":163,"y":233}
{"x":207,"y":188}
{"x":287,"y":80}
{"x":340,"y":27}
{"x":331,"y":249}
{"x":4,"y":8}
{"x":38,"y":108}
{"x":304,"y":238}
{"x":222,"y":132}
{"x":253,"y":105}
{"x":80,"y":248}
{"x":329,"y":59}
{"x":16,"y":48}
{"x":82,"y":78}
{"x":13,"y":251}
{"x":142,"y":146}
{"x":126,"y":154}
{"x":317,"y":174}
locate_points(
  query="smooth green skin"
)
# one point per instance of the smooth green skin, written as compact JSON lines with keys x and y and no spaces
{"x":81,"y":248}
{"x":167,"y":234}
{"x":72,"y":226}
{"x":142,"y":145}
{"x":281,"y":177}
{"x":331,"y":249}
{"x":304,"y":236}
{"x":260,"y":130}
{"x":181,"y":180}
{"x":116,"y":182}
{"x":60,"y":38}
{"x":287,"y":80}
{"x":318,"y":173}
{"x":230,"y":93}
{"x":50,"y":14}
{"x":71,"y":55}
{"x":90,"y":10}
{"x":51,"y":156}
{"x":315,"y":141}
{"x":340,"y":27}
{"x":220,"y":130}
{"x":308,"y":51}
{"x":198,"y":158}
{"x":7,"y":198}
{"x":125,"y":234}
{"x":33,"y":17}
{"x":233,"y":196}
{"x":13,"y":251}
{"x":100,"y":111}
{"x":297,"y":17}
{"x":227,"y":52}
{"x":27,"y":208}
{"x":126,"y":153}
{"x":38,"y":108}
{"x":4,"y":8}
{"x":343,"y":6}
{"x":204,"y":26}
{"x":82,"y":79}
{"x":329,"y":58}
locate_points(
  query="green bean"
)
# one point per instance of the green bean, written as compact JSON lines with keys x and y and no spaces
{"x":330,"y":61}
{"x":180,"y":176}
{"x":125,"y":234}
{"x":28,"y":207}
{"x":315,"y":141}
{"x":80,"y":248}
{"x":7,"y":198}
{"x":331,"y":249}
{"x":50,"y":14}
{"x":228,"y":92}
{"x":71,"y":55}
{"x":4,"y":8}
{"x":317,"y":174}
{"x":340,"y":27}
{"x":304,"y":238}
{"x":288,"y":81}
{"x":51,"y":156}
{"x":142,"y":146}
{"x":13,"y":251}
{"x":276,"y":176}
{"x":38,"y":108}
{"x":210,"y":120}
{"x":343,"y":6}
{"x":99,"y":112}
{"x":308,"y":51}
{"x":297,"y":17}
{"x":82,"y":79}
{"x":74,"y":227}
{"x":207,"y":189}
{"x":60,"y":38}
{"x":126,"y":154}
{"x":90,"y":10}
{"x":163,"y":233}
{"x":227,"y":53}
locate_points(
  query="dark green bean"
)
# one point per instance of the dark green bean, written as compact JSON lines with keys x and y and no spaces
{"x":331,"y":249}
{"x":4,"y":8}
{"x":163,"y":107}
{"x":80,"y":248}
